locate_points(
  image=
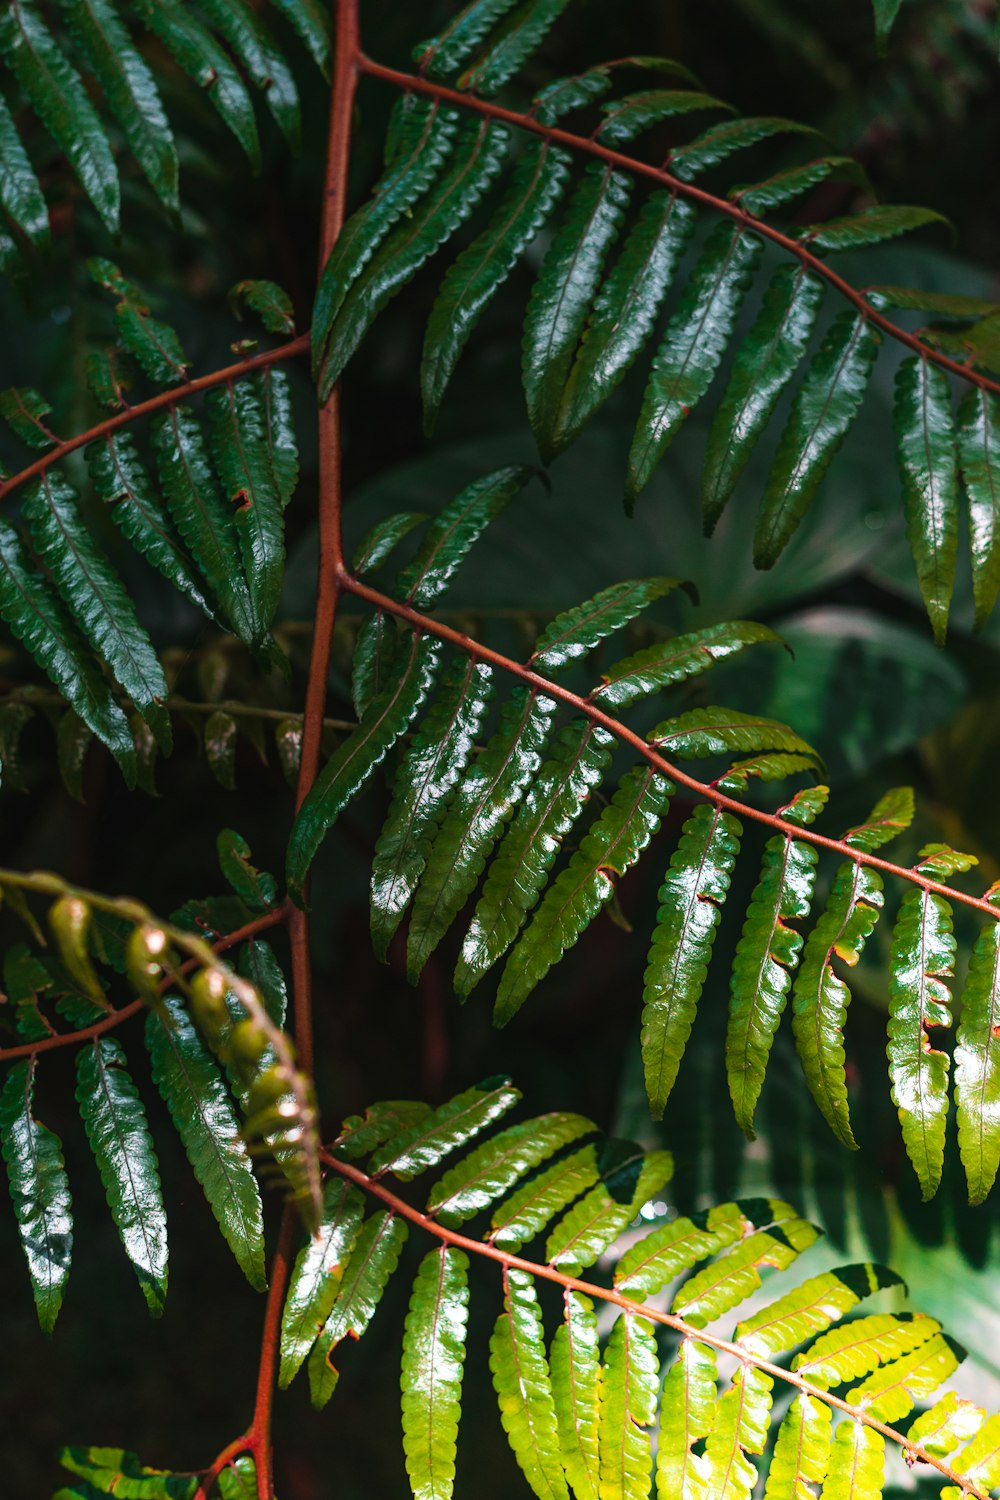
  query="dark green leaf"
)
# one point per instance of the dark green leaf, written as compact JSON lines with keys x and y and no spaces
{"x":444,"y":1130}
{"x":979,"y":455}
{"x":790,"y":184}
{"x":718,"y":731}
{"x":268,"y":300}
{"x":73,"y":739}
{"x":254,"y":887}
{"x":444,"y":53}
{"x":220,"y":737}
{"x":263,"y":62}
{"x":676,"y":660}
{"x":312,"y":22}
{"x":376,"y":545}
{"x":452,"y":533}
{"x":153,"y":344}
{"x":578,"y":630}
{"x":925,"y":434}
{"x":627,"y":118}
{"x":23,"y":409}
{"x":20,"y":191}
{"x":279,"y":427}
{"x":886,"y":12}
{"x":39,"y":1191}
{"x":870,"y":227}
{"x":317,"y":1274}
{"x":942,"y":304}
{"x":519,"y":36}
{"x":719,"y":143}
{"x":359,"y":1135}
{"x":431,"y":1375}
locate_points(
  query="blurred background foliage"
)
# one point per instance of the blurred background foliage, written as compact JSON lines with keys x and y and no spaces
{"x":864,"y":684}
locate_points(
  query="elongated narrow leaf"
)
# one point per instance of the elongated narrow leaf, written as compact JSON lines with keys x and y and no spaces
{"x":476,"y":161}
{"x":379,"y":648}
{"x":452,"y":533}
{"x":577,"y":631}
{"x":535,"y":188}
{"x":785,"y":186}
{"x":130,"y":89}
{"x":950,"y":1422}
{"x":263,"y":62}
{"x":626,"y":118}
{"x":200,"y":515}
{"x":563,"y":292}
{"x":593,"y":1224}
{"x":854,"y":1349}
{"x":779,"y":1237}
{"x":360,"y":1134}
{"x":979,"y":455}
{"x":39,"y":1191}
{"x":20,"y":191}
{"x":471,"y":25}
{"x":431,"y":1377}
{"x":519,"y":36}
{"x":665,"y":1252}
{"x":199,"y":55}
{"x":629,"y":1391}
{"x":820,"y":996}
{"x":766,"y":361}
{"x":38,"y":619}
{"x":493,"y":1168}
{"x":242,"y":460}
{"x":279,"y":431}
{"x":692,"y":348}
{"x":120,"y":478}
{"x":195,"y":1095}
{"x":312,"y":22}
{"x":870,"y":226}
{"x":445,"y":1129}
{"x":811,"y":1308}
{"x":766,"y":958}
{"x":434,"y":762}
{"x":718,"y":143}
{"x":96,"y":598}
{"x":892,"y":1390}
{"x":317,"y":1274}
{"x":676,"y":660}
{"x":347,"y":770}
{"x":741,"y":1426}
{"x":691,"y":897}
{"x":612,"y":845}
{"x":977,"y":1062}
{"x":517,"y":875}
{"x":801,"y":1450}
{"x":374,"y":1258}
{"x":575,"y":1364}
{"x":154,"y":345}
{"x":925,"y":434}
{"x":921,"y":961}
{"x":484,"y":800}
{"x":528,"y":1211}
{"x":379,"y":542}
{"x":980,"y":1461}
{"x":59,"y":98}
{"x":624,"y":311}
{"x":118,"y":1132}
{"x":827,"y":403}
{"x":687,"y":1414}
{"x":524,"y":1388}
{"x":886,"y":12}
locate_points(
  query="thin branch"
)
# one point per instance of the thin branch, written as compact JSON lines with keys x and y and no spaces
{"x":118,"y":1017}
{"x":628,"y":736}
{"x":731,"y":210}
{"x":259,"y":1435}
{"x":605,"y":1294}
{"x":238,"y":371}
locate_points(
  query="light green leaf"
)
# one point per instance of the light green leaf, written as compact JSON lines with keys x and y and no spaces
{"x":444,"y":1130}
{"x":778,"y":1238}
{"x":528,"y":1211}
{"x":893,"y":1390}
{"x":950,"y":1422}
{"x":374,"y":1258}
{"x":977,"y":1062}
{"x":493,"y":1168}
{"x":575,"y":1364}
{"x":979,"y":456}
{"x":857,"y":1464}
{"x":801,"y":1450}
{"x":629,"y":1391}
{"x":524,"y":1389}
{"x":687,"y":1414}
{"x":811,"y":1308}
{"x":741,"y":1426}
{"x":39,"y":1191}
{"x":595,"y":1222}
{"x":660,"y":1256}
{"x":855,"y":1348}
{"x":431,"y":1376}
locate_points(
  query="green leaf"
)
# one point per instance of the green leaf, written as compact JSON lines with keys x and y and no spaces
{"x":199,"y":55}
{"x":434,"y":762}
{"x":517,"y":39}
{"x":317,"y":1274}
{"x":96,"y":598}
{"x":312,"y":22}
{"x":254,"y":887}
{"x":376,"y":545}
{"x":718,"y":731}
{"x":676,"y":660}
{"x":535,"y":188}
{"x":23,"y":409}
{"x":626,"y":118}
{"x":827,"y":403}
{"x":528,"y":1211}
{"x":431,"y":1376}
{"x":979,"y":456}
{"x":263,"y":62}
{"x":610,"y":847}
{"x":980,"y":1461}
{"x":20,"y":191}
{"x":892,"y":1390}
{"x":199,"y":1106}
{"x":120,"y":479}
{"x":350,"y":766}
{"x":949,"y":1422}
{"x":593,"y":1224}
{"x":778,"y":1239}
{"x":378,"y":647}
{"x":886,"y":12}
{"x":925,"y":434}
{"x":14,"y":717}
{"x":741,"y":1427}
{"x":518,"y":872}
{"x":483,"y":801}
{"x":219,"y":739}
{"x":766,"y":958}
{"x":118,"y":1131}
{"x":374,"y":1258}
{"x":663,"y":1254}
{"x":692,"y":347}
{"x":360,"y":1134}
{"x":73,"y":740}
{"x":114,"y":1471}
{"x":477,"y":159}
{"x":452,"y":533}
{"x":801,"y":1450}
{"x":268,"y":300}
{"x":687,"y":1414}
{"x":853,"y":1349}
{"x":443,"y":54}
{"x":493,"y":1168}
{"x":977,"y":1062}
{"x":575,"y":1365}
{"x":577,"y":631}
{"x":155,"y":346}
{"x":242,"y":460}
{"x":524,"y":1389}
{"x":766,"y":361}
{"x":784,"y":187}
{"x":942,"y":304}
{"x":870,"y":227}
{"x":563,"y":292}
{"x":279,"y":431}
{"x":60,"y":100}
{"x":444,"y":1130}
{"x":921,"y":960}
{"x":37,"y":617}
{"x":629,"y":1391}
{"x":39,"y":1191}
{"x":691,"y":897}
{"x":718,"y":144}
{"x":200,"y":515}
{"x":811,"y":1308}
{"x":130,"y":89}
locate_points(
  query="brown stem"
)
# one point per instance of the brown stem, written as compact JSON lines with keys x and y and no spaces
{"x":654,"y":1314}
{"x":629,"y":737}
{"x":259,"y":1435}
{"x":169,"y":397}
{"x":732,"y":210}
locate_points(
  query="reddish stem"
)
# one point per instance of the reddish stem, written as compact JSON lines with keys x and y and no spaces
{"x":259,"y":1435}
{"x":628,"y":736}
{"x":654,"y":1314}
{"x":683,"y":189}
